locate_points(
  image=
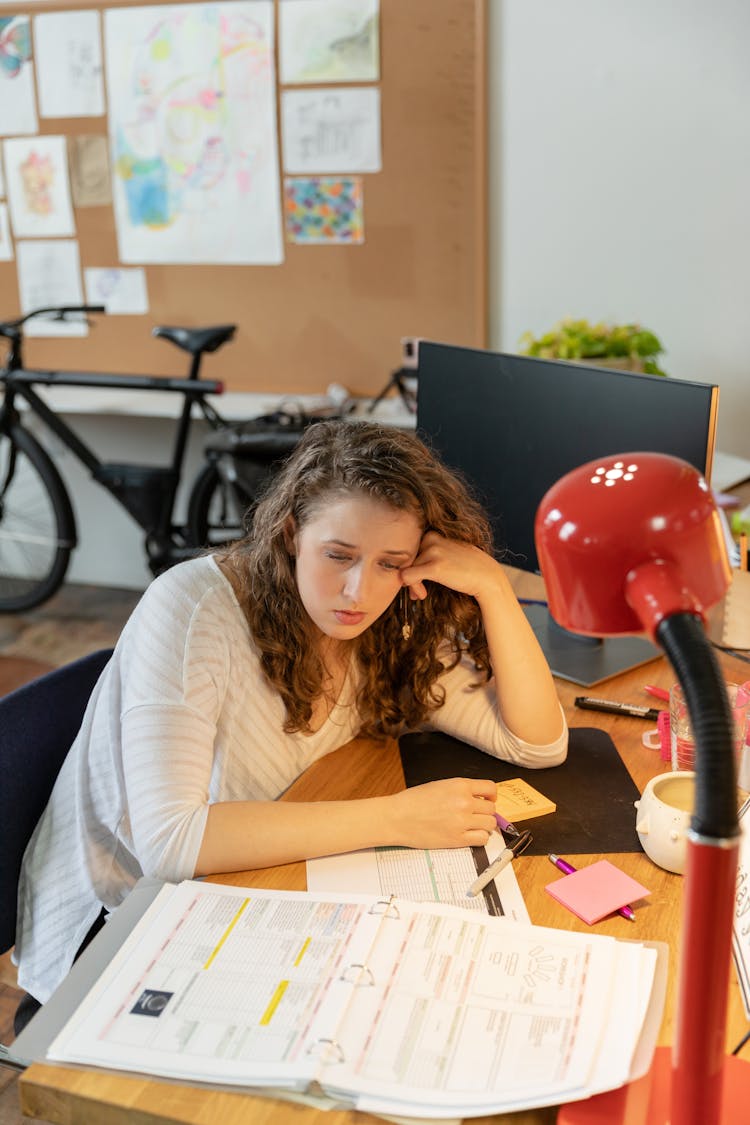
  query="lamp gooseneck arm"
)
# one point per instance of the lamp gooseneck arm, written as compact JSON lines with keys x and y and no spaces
{"x":691,"y":654}
{"x":710,"y":879}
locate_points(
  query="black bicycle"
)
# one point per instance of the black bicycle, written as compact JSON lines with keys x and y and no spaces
{"x":37,"y":522}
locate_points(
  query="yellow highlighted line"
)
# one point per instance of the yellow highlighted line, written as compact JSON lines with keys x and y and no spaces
{"x":274,"y":1002}
{"x":226,"y":933}
{"x":302,"y":952}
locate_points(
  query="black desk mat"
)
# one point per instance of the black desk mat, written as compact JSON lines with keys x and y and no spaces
{"x":592,"y":789}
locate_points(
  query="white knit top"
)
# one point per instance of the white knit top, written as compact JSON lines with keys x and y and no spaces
{"x":180,"y":718}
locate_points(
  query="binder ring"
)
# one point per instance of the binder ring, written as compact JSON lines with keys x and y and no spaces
{"x":354,"y":974}
{"x":329,"y":1050}
{"x":386,"y":907}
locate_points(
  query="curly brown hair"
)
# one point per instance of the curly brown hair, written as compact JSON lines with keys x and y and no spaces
{"x":398,"y":679}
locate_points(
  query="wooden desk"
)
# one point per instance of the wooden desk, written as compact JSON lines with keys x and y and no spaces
{"x":75,"y":1095}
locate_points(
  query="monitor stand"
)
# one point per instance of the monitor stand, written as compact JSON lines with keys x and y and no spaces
{"x":586,"y":660}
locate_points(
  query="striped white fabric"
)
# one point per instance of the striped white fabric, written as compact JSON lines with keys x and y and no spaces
{"x":180,"y":718}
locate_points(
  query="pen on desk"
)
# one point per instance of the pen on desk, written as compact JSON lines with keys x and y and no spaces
{"x":611,"y":706}
{"x":743,"y":550}
{"x":568,"y":869}
{"x":506,"y":855}
{"x":657,"y":692}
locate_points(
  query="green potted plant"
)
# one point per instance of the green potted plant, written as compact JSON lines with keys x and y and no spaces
{"x":627,"y":346}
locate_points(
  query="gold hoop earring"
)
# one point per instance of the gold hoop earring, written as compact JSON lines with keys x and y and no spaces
{"x":405,"y":614}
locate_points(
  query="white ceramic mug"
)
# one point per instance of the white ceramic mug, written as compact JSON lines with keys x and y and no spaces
{"x":663,"y":818}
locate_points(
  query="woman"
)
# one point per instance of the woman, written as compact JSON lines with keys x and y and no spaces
{"x":364,"y":600}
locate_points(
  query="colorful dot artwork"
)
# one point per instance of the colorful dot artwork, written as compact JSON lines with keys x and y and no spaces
{"x":324,"y":209}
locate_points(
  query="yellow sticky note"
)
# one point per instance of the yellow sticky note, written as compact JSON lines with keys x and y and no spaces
{"x":517,"y":800}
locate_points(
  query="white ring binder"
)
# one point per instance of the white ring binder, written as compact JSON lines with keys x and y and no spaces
{"x":386,"y":907}
{"x":354,"y":973}
{"x":329,"y":1050}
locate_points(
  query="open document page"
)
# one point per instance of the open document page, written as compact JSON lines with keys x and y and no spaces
{"x":408,"y":1008}
{"x":434,"y":875}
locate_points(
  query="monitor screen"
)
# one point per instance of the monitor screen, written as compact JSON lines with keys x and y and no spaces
{"x":513,"y":425}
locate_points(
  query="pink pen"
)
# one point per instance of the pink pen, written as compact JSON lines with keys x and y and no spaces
{"x":657,"y":692}
{"x":568,"y":869}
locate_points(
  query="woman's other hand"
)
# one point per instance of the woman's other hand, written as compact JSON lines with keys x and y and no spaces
{"x":456,"y":813}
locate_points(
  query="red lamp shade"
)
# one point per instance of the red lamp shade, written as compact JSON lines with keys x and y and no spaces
{"x":628,"y":540}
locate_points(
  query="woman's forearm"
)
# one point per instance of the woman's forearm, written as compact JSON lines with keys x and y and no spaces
{"x":241,"y":835}
{"x":250,"y":834}
{"x":526,"y":691}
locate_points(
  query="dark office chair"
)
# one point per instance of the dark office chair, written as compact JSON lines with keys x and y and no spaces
{"x":38,"y":723}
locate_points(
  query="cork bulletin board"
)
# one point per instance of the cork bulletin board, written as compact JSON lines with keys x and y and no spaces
{"x":327,"y":312}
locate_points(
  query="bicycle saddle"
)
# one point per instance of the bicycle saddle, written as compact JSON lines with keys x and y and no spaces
{"x":195,"y":340}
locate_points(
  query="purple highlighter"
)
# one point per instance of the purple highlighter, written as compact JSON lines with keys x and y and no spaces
{"x":506,"y":826}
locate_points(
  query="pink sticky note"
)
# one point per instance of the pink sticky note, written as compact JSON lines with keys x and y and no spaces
{"x":596,"y":891}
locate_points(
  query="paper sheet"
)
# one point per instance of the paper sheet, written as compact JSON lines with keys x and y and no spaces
{"x":329,"y":41}
{"x":439,"y":875}
{"x":741,"y":927}
{"x":17,"y":102}
{"x":6,"y":246}
{"x":331,"y":130}
{"x":49,"y":274}
{"x":67,"y":47}
{"x":192,"y":119}
{"x":449,"y":1013}
{"x":121,"y":291}
{"x":36,"y":169}
{"x":88,"y":156}
{"x":324,"y":210}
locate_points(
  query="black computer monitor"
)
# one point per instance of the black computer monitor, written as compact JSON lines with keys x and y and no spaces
{"x":513,"y":425}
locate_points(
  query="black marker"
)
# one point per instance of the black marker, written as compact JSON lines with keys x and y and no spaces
{"x":588,"y":703}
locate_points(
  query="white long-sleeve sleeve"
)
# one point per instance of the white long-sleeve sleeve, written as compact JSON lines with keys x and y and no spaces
{"x":472,"y":714}
{"x":181,"y":717}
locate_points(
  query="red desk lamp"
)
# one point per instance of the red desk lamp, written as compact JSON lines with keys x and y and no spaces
{"x":627,"y":544}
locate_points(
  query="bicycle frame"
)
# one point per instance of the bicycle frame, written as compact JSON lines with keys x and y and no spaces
{"x":156,"y":517}
{"x":148,"y":493}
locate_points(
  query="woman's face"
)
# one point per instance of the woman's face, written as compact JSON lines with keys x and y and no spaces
{"x":349,"y":557}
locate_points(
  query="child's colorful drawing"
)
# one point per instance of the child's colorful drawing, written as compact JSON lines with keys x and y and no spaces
{"x":324,"y":209}
{"x":17,"y":102}
{"x":193,"y":132}
{"x":38,"y":192}
{"x":15,"y":44}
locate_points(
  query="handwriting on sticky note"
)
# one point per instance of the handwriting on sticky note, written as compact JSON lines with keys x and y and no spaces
{"x":595,"y":891}
{"x":517,"y":800}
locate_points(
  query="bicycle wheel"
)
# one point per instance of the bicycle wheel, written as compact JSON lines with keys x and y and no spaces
{"x":37,"y":526}
{"x":215,"y":510}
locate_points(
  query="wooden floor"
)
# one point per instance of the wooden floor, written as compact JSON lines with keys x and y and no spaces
{"x":78,"y":620}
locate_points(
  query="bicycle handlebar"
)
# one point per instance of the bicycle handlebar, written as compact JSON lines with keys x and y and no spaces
{"x":60,"y":311}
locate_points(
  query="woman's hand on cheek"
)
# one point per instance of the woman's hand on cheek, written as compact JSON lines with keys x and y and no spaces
{"x":456,"y":813}
{"x":417,"y":590}
{"x":458,"y":566}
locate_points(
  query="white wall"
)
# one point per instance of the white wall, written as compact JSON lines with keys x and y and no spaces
{"x":620,"y":179}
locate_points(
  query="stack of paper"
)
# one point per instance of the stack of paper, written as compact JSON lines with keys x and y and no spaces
{"x":385,"y":1005}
